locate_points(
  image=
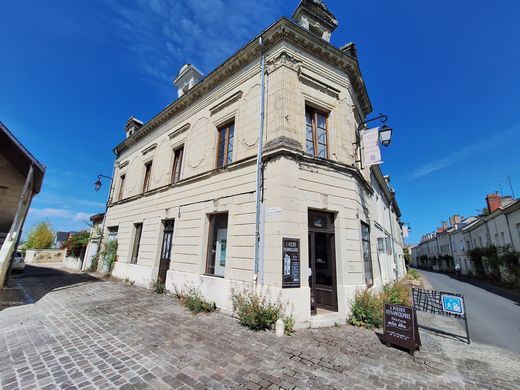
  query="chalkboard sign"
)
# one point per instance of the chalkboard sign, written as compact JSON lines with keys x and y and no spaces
{"x":400,"y":327}
{"x":290,"y":263}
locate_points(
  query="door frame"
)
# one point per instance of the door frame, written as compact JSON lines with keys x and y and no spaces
{"x":331,"y":237}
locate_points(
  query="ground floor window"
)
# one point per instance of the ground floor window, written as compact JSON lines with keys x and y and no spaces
{"x":367,"y":257}
{"x":112,"y":233}
{"x":217,"y":245}
{"x":138,"y":230}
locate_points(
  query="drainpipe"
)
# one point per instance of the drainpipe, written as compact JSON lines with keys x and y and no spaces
{"x":259,"y":231}
{"x":392,"y":237}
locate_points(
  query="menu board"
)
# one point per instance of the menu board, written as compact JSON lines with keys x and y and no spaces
{"x":290,"y":263}
{"x":400,"y":327}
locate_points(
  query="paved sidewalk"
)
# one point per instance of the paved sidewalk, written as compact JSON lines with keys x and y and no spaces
{"x":86,"y":333}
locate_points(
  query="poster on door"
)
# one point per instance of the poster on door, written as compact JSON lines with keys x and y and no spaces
{"x":290,"y":263}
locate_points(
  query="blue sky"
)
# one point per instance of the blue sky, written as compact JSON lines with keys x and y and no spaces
{"x":445,"y":72}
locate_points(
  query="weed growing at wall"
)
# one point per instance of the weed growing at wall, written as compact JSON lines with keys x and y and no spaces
{"x":254,"y":311}
{"x":191,"y":297}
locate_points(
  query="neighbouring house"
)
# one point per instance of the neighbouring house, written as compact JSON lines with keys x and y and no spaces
{"x":94,"y":240}
{"x":21,"y":177}
{"x":183,"y":204}
{"x":499,"y":227}
{"x":61,"y":238}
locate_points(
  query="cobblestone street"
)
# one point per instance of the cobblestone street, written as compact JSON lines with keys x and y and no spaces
{"x":71,"y":330}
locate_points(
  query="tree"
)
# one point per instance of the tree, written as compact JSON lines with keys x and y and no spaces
{"x":41,"y":236}
{"x":407,"y":257}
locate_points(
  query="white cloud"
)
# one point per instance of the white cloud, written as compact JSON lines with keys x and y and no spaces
{"x":81,"y":216}
{"x":51,"y":213}
{"x":480,"y":146}
{"x":162,"y":35}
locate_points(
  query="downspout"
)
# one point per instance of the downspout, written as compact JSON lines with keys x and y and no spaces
{"x":392,"y":237}
{"x":259,"y":231}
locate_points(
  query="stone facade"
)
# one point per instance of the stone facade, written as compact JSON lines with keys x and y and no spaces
{"x":303,"y":72}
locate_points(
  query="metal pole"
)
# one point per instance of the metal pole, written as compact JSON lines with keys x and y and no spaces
{"x":511,"y":186}
{"x":259,"y":239}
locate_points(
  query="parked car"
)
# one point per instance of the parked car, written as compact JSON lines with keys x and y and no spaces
{"x":18,"y":262}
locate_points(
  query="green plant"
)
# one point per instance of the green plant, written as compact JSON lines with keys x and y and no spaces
{"x":413,"y":274}
{"x":76,"y":244}
{"x":288,"y":324}
{"x":254,"y":311}
{"x":366,"y":310}
{"x":41,"y":236}
{"x":395,"y":293}
{"x":94,"y":263}
{"x":407,"y":257}
{"x":109,"y":255}
{"x":158,"y":287}
{"x":193,"y":300}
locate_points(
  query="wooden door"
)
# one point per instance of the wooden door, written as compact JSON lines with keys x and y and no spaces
{"x":322,"y":260}
{"x":166,"y":251}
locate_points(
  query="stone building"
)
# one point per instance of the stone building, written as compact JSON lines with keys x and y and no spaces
{"x":21,"y":177}
{"x":183,"y":202}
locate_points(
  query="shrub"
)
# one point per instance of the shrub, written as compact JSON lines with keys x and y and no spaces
{"x":413,"y":274}
{"x":109,"y":255}
{"x":395,"y":293}
{"x":254,"y":311}
{"x":158,"y":287}
{"x":367,"y":310}
{"x":76,"y":244}
{"x":193,"y":300}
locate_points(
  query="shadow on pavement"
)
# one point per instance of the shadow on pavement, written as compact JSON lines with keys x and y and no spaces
{"x":513,"y":295}
{"x":35,"y":282}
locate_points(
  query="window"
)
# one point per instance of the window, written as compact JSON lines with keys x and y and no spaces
{"x":112,"y":233}
{"x":138,"y":230}
{"x":316,"y":133}
{"x":217,"y":245}
{"x":121,"y":187}
{"x":367,"y":257}
{"x":147,"y":175}
{"x":177,"y":164}
{"x":225,"y":145}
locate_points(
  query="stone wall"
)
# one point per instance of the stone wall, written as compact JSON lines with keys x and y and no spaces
{"x":45,"y":256}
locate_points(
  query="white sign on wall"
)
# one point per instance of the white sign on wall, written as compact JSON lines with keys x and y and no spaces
{"x":371,"y":152}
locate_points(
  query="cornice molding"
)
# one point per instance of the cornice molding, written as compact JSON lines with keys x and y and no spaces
{"x":225,"y":103}
{"x":179,"y":131}
{"x":149,"y":149}
{"x":282,"y":30}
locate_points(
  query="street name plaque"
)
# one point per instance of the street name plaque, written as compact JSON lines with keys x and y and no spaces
{"x":400,"y":327}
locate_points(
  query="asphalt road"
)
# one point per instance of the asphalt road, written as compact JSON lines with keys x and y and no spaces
{"x":492,"y":318}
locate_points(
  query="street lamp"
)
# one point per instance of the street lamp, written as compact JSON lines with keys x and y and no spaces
{"x":385,"y":132}
{"x":98,"y":184}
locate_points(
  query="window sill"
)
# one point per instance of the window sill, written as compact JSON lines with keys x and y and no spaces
{"x":213,"y":276}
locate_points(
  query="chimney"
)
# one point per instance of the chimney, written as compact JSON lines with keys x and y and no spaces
{"x":439,"y":230}
{"x":493,"y":202}
{"x":187,"y":78}
{"x":444,"y":226}
{"x":313,"y":15}
{"x":132,"y":125}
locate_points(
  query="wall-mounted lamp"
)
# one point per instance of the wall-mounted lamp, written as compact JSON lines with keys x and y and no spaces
{"x":98,"y":184}
{"x":385,"y":132}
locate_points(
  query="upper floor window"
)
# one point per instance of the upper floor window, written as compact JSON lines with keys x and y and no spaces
{"x":225,"y":145}
{"x":177,"y":164}
{"x":121,"y":187}
{"x":147,"y":176}
{"x":316,"y":133}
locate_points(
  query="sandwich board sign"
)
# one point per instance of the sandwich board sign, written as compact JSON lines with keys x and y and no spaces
{"x":400,"y":327}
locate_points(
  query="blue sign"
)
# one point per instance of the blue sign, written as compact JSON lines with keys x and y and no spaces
{"x":452,"y":304}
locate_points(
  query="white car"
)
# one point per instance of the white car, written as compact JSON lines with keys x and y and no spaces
{"x":18,"y":262}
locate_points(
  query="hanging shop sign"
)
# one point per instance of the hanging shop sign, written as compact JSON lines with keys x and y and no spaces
{"x":371,"y":151}
{"x":290,"y":263}
{"x":400,"y":327}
